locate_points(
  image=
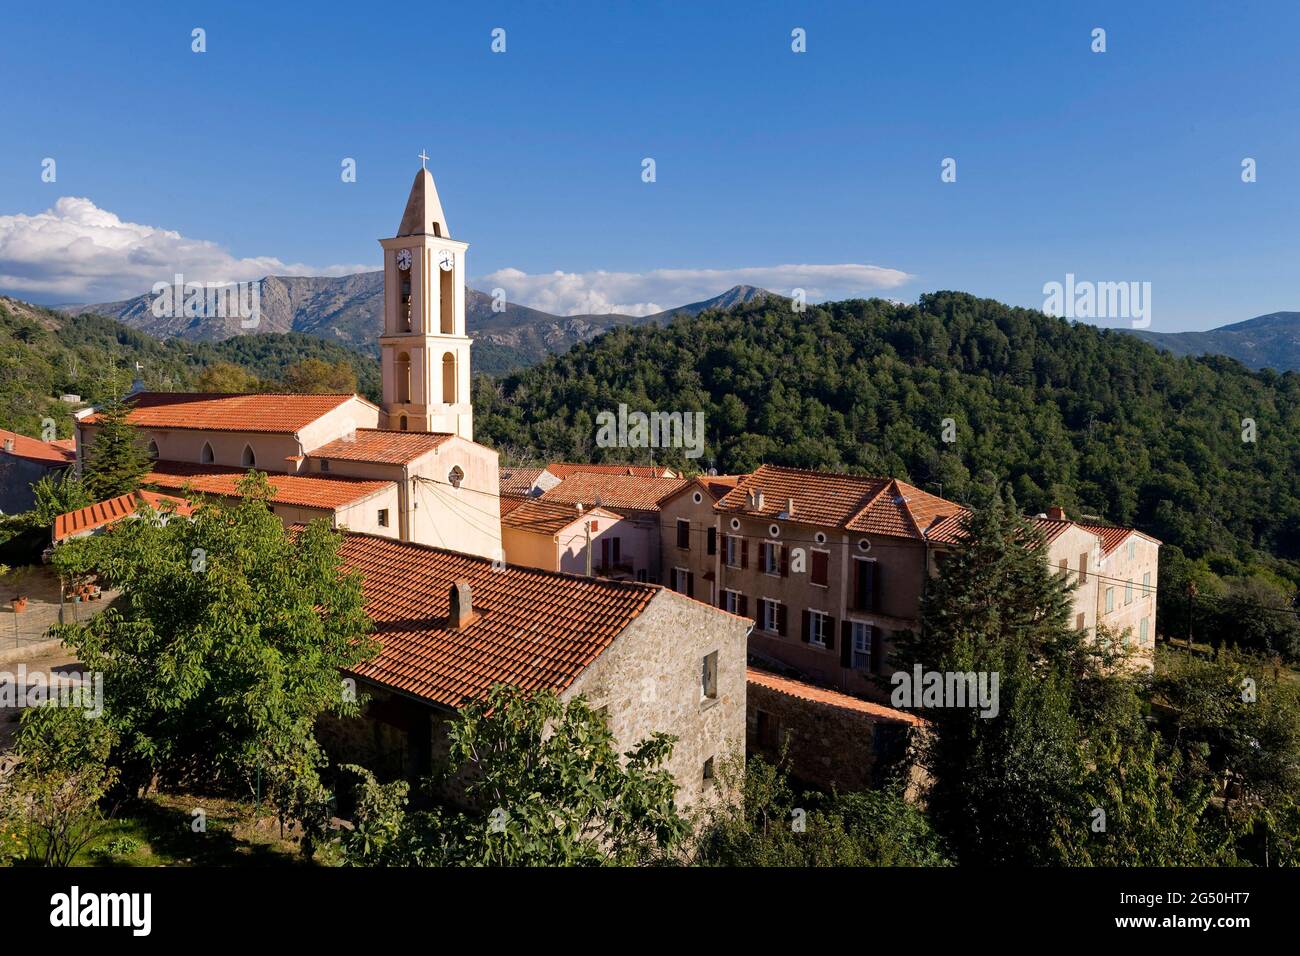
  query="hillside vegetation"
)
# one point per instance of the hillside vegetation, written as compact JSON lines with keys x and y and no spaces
{"x":44,"y":354}
{"x":1069,"y":414}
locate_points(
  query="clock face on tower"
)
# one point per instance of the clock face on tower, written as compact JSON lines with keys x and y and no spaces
{"x":403,"y":259}
{"x":446,"y":260}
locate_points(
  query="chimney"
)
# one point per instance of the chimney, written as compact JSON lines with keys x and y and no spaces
{"x":9,"y":444}
{"x":462,"y":606}
{"x":1056,"y":513}
{"x":789,"y":506}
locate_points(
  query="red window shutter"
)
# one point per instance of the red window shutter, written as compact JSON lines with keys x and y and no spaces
{"x":785,"y":560}
{"x":744,"y":552}
{"x":683,"y":534}
{"x":830,"y":633}
{"x":712,"y":539}
{"x":846,"y":643}
{"x":690,"y":584}
{"x":806,"y":625}
{"x":820,"y":567}
{"x":744,"y":605}
{"x":875,"y":585}
{"x":722,"y":599}
{"x":782,"y":620}
{"x":874,"y":639}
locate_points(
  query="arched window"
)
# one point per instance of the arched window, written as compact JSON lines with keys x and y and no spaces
{"x":449,"y":379}
{"x":206,"y":456}
{"x":402,"y":369}
{"x":249,"y":460}
{"x":447,"y":300}
{"x":153,"y":450}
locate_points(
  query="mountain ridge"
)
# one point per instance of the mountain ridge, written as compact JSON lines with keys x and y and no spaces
{"x":348,"y":310}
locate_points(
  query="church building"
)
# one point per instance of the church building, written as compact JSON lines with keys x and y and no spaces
{"x":407,"y":469}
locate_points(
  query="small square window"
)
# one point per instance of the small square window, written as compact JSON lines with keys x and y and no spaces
{"x":383,"y":517}
{"x":708,"y":771}
{"x":324,"y":465}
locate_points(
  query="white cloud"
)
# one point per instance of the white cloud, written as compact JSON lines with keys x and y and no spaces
{"x":644,"y":293}
{"x":77,"y":252}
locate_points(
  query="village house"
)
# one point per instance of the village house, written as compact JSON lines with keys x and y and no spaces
{"x":831,"y":566}
{"x":570,"y":538}
{"x":24,"y":461}
{"x":635,"y":549}
{"x":451,"y":625}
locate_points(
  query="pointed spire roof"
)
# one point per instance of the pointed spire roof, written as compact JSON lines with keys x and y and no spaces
{"x":423,"y":215}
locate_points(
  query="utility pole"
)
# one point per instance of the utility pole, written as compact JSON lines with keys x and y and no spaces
{"x":1191,"y":597}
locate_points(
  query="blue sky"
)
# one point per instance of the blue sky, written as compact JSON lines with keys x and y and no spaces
{"x":1119,"y":166}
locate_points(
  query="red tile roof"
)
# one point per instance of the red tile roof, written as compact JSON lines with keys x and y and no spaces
{"x":828,"y":698}
{"x":104,"y":513}
{"x":563,"y":469}
{"x":1052,"y":528}
{"x":615,"y":491}
{"x":55,"y":453}
{"x":715,"y":486}
{"x":884,"y":506}
{"x":308,"y":491}
{"x":509,"y":503}
{"x":381,"y":446}
{"x":518,"y":481}
{"x":1111,"y":538}
{"x":533,"y":628}
{"x":234,"y":413}
{"x":543,"y":517}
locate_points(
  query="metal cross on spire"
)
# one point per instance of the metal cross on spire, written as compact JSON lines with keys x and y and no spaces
{"x":424,"y":157}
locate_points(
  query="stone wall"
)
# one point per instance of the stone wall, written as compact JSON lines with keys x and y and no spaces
{"x":825,"y":746}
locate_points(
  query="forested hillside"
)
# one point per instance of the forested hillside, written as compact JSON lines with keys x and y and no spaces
{"x":1099,"y":422}
{"x":44,"y":354}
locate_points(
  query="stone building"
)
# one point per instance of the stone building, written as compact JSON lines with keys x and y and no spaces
{"x":451,"y":625}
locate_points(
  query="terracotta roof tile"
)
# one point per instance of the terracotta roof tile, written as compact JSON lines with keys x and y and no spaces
{"x":828,"y":698}
{"x":1052,"y":528}
{"x":533,"y":628}
{"x":563,"y":469}
{"x":33,"y":449}
{"x":616,"y":491}
{"x":518,"y":481}
{"x":882,"y":506}
{"x":104,"y":513}
{"x":310,"y":491}
{"x":1111,"y":537}
{"x":381,"y":445}
{"x":544,"y":517}
{"x":236,"y":413}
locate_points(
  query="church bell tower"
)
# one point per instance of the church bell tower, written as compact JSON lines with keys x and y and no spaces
{"x":424,"y":348}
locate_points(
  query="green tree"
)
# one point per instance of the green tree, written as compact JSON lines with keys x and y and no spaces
{"x":115,"y":460}
{"x":543,"y":786}
{"x":314,"y":376}
{"x":228,"y":645}
{"x":758,"y":820}
{"x":52,"y":786}
{"x":227,"y":377}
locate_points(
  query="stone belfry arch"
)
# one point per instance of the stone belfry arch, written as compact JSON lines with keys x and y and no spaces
{"x":424,"y":348}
